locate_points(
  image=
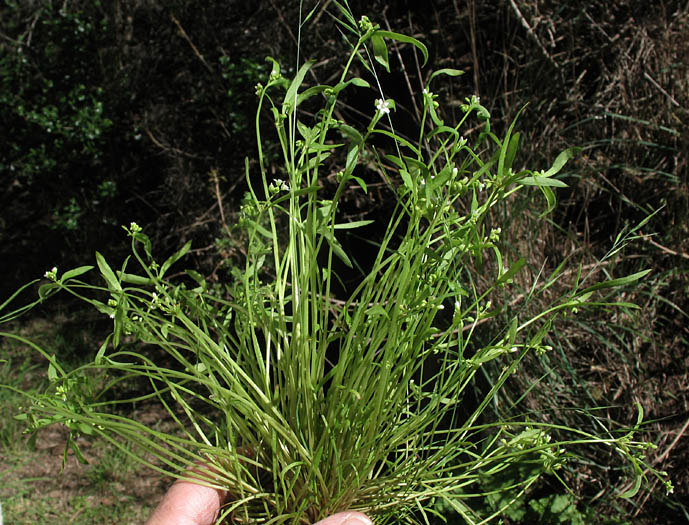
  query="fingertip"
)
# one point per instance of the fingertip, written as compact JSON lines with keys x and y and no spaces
{"x":346,"y":518}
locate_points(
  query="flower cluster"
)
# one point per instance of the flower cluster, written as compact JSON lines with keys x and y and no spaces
{"x":383,"y":106}
{"x":278,"y":185}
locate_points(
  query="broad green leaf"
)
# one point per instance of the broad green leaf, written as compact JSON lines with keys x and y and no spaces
{"x":103,"y":308}
{"x":86,"y":429}
{"x":107,"y":273}
{"x":377,"y":311}
{"x":512,"y":332}
{"x":352,"y":133}
{"x":336,"y":246}
{"x":446,"y":71}
{"x":75,"y":448}
{"x":443,"y":129}
{"x":512,"y":151}
{"x":512,"y":271}
{"x":352,"y":157}
{"x":76,"y":272}
{"x":275,"y":72}
{"x":434,"y":115}
{"x":360,"y":182}
{"x":137,"y":280}
{"x":46,"y":289}
{"x":506,"y":146}
{"x":174,"y":258}
{"x":315,"y":147}
{"x":537,"y":180}
{"x":308,"y":93}
{"x":406,"y":39}
{"x":352,"y":225}
{"x":252,"y":225}
{"x":313,"y":162}
{"x":406,"y":179}
{"x":291,"y":95}
{"x":550,"y":199}
{"x":561,"y":160}
{"x":395,"y":160}
{"x":613,"y":283}
{"x":359,"y":82}
{"x":356,"y":81}
{"x":52,"y":371}
{"x":634,"y":489}
{"x":305,"y":131}
{"x":101,"y":351}
{"x":380,"y":50}
{"x":200,"y":279}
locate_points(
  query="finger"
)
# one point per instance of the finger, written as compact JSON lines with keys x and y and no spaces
{"x":346,"y":518}
{"x":188,"y":503}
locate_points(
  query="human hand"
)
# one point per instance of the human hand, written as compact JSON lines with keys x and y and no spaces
{"x":188,"y":503}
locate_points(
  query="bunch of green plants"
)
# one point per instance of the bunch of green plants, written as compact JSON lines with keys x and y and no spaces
{"x":300,"y":403}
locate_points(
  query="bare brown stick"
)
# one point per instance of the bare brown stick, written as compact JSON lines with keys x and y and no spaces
{"x":167,"y":147}
{"x":660,"y":88}
{"x":663,"y":248}
{"x":532,"y":33}
{"x":474,"y":50}
{"x":216,"y":183}
{"x":191,"y":44}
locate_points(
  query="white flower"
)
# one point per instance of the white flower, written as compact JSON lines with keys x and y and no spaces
{"x":383,"y":106}
{"x":278,"y":185}
{"x":51,"y":274}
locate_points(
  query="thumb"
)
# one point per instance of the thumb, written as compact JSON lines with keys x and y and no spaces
{"x":346,"y":518}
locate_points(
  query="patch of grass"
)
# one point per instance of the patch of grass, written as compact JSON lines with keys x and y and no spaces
{"x":34,"y":486}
